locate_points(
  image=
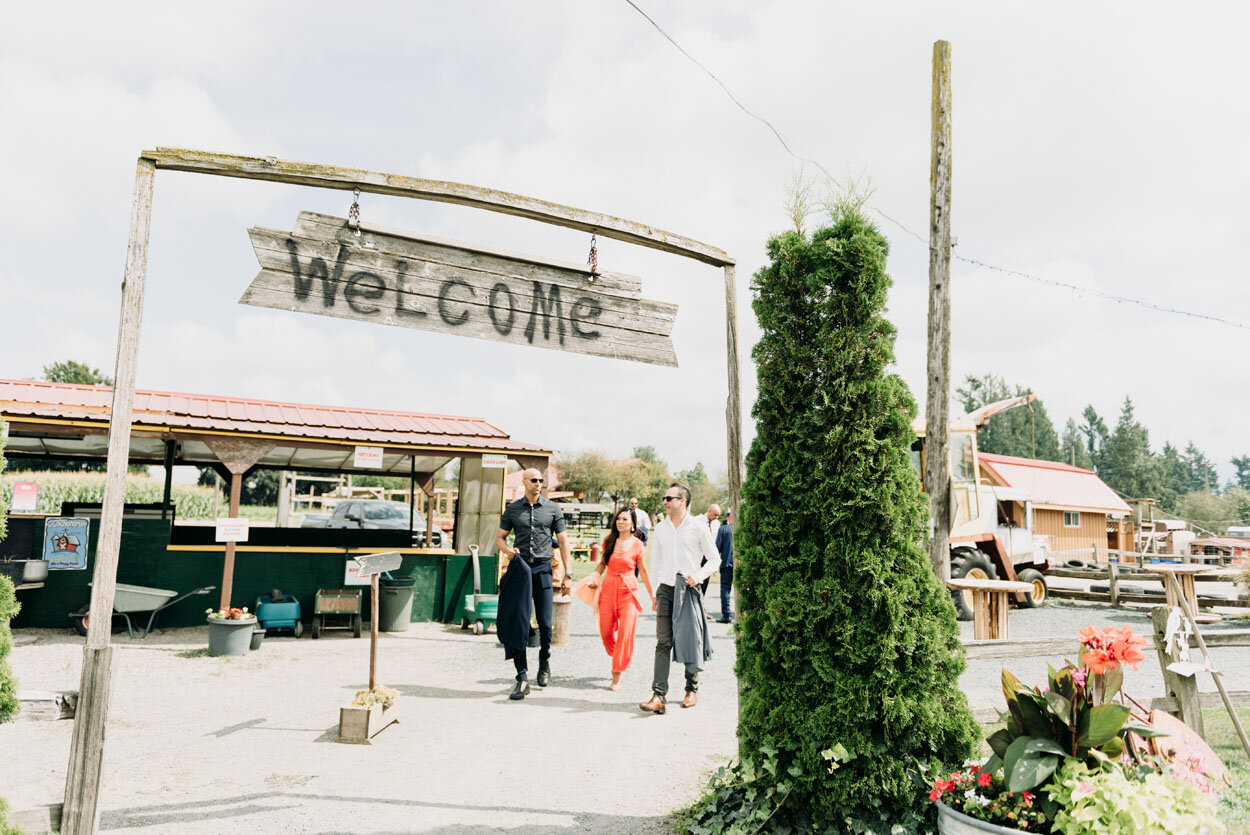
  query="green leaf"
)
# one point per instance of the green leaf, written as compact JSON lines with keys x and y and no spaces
{"x":1112,"y":680}
{"x":1105,"y":722}
{"x":993,"y":764}
{"x":1144,"y":731}
{"x":999,"y":740}
{"x":1059,"y":707}
{"x":1011,"y":686}
{"x":1064,"y":684}
{"x":1030,"y":762}
{"x":1113,"y":747}
{"x":1034,"y":714}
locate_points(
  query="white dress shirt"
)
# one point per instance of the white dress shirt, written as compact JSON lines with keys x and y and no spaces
{"x":681,"y":549}
{"x":644,"y":521}
{"x":712,"y":525}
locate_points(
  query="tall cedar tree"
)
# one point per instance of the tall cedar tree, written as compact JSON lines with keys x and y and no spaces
{"x":845,"y":637}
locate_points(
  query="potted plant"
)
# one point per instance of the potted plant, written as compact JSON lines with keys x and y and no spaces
{"x":230,"y":631}
{"x":369,"y":712}
{"x":1064,"y":762}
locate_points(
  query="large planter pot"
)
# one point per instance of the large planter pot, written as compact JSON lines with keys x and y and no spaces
{"x":230,"y":637}
{"x":951,"y":822}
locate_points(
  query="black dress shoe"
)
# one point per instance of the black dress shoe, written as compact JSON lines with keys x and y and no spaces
{"x":521,"y":690}
{"x":544,"y":676}
{"x":724,"y":620}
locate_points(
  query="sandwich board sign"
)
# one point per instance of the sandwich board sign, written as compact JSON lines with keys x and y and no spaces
{"x":391,"y":277}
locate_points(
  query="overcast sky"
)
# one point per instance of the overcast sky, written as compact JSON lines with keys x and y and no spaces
{"x":1097,"y":144}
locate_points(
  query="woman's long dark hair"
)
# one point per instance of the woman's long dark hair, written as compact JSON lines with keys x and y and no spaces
{"x":609,"y":544}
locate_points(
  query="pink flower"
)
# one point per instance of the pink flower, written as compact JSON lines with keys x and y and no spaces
{"x":1078,"y":676}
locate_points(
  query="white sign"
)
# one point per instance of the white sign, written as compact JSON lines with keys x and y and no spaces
{"x":352,"y":575}
{"x":25,"y":497}
{"x":368,"y":457}
{"x":492,"y":460}
{"x":232,"y":530}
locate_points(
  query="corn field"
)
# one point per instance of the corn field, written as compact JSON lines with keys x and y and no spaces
{"x":191,"y":501}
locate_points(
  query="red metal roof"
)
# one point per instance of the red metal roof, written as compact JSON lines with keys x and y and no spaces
{"x":1053,"y":484}
{"x":242,"y":414}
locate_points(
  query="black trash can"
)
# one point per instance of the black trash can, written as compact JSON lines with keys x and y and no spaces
{"x":395,"y":603}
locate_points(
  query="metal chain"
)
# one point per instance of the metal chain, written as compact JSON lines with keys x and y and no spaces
{"x":592,"y":260}
{"x":353,"y":214}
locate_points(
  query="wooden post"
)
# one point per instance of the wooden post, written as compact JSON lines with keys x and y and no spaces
{"x":169,"y":479}
{"x":733,"y":409}
{"x":1206,"y":654}
{"x":1113,"y":580}
{"x":1182,"y":688}
{"x":227,"y":570}
{"x":86,"y":753}
{"x":937,"y":401}
{"x":373,"y":631}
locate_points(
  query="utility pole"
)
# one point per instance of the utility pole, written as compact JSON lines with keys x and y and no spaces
{"x":937,"y":401}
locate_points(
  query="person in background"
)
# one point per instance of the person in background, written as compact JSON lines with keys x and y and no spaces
{"x":709,"y":520}
{"x":644,"y":521}
{"x":535,"y":520}
{"x":677,"y":546}
{"x":725,"y":544}
{"x":618,"y":599}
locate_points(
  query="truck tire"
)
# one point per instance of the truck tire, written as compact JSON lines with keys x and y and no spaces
{"x":1040,"y":593}
{"x":973,"y":564}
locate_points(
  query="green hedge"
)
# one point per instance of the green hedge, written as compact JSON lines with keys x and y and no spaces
{"x":848,"y":650}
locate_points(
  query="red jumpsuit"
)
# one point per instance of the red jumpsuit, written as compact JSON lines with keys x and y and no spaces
{"x":619,"y":606}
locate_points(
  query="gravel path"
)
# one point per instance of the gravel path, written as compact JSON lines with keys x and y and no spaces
{"x":198,"y":744}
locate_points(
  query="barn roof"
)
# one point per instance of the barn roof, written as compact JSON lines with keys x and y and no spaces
{"x":1055,"y":485}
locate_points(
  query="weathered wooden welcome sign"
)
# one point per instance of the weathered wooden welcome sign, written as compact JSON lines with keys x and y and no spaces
{"x":395,"y":278}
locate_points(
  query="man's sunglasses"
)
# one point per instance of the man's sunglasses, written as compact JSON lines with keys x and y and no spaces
{"x":671,"y":498}
{"x":536,"y":481}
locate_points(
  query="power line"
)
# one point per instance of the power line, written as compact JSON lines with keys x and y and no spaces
{"x":1005,"y":270}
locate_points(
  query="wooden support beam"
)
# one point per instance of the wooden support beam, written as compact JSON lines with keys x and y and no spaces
{"x":373,"y":182}
{"x":86,"y":756}
{"x":937,"y":399}
{"x":1182,"y":689}
{"x":733,"y":407}
{"x":1209,"y":701}
{"x":227,"y":569}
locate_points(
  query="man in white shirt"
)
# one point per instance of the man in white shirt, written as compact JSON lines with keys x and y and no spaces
{"x":644,"y":521}
{"x":678,"y":545}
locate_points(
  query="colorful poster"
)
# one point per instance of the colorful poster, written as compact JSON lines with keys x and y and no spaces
{"x":65,"y":543}
{"x":25,"y":497}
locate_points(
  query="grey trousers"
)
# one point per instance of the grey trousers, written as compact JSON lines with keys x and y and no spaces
{"x":664,"y":645}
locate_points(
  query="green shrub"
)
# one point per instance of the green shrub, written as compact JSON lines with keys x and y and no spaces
{"x":9,"y":608}
{"x":848,"y":651}
{"x":1106,"y":801}
{"x":6,"y":828}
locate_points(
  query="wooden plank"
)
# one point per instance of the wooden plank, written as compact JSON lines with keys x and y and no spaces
{"x":1209,"y":701}
{"x":937,"y":398}
{"x":1021,"y":648}
{"x":86,"y":757}
{"x":408,"y":282}
{"x":377,"y":563}
{"x":41,"y":706}
{"x":37,"y":821}
{"x":227,"y":568}
{"x":1124,"y":597}
{"x":373,"y":182}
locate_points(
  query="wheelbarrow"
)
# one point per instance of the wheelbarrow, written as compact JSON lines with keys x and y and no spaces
{"x":134,"y":600}
{"x":480,"y":610}
{"x":336,"y":603}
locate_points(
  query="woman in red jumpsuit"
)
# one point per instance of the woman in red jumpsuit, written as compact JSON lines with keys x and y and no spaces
{"x":618,"y":595}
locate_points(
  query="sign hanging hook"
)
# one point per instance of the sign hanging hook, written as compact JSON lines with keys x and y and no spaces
{"x":592,"y":260}
{"x":353,"y":214}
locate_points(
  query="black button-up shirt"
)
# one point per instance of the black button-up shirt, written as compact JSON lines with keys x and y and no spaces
{"x":534,"y":525}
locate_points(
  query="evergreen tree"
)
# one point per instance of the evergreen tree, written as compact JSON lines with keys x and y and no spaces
{"x":1125,"y":462}
{"x":78,"y":373}
{"x":1074,"y":450}
{"x":848,"y":651}
{"x":1025,"y":431}
{"x":1201,"y":470}
{"x":1096,"y":435}
{"x":1242,"y":477}
{"x":1176,"y":481}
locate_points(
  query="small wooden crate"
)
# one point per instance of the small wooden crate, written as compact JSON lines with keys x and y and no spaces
{"x":337,"y":602}
{"x":358,"y":725}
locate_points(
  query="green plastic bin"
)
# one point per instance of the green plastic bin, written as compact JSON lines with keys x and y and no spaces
{"x":395,"y":605}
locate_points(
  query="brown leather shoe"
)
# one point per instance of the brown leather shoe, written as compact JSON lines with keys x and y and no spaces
{"x":692,"y":699}
{"x":656,"y":705}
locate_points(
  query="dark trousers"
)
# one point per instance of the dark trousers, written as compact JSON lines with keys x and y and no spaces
{"x":726,"y":585}
{"x":542,"y":613}
{"x":664,"y":645}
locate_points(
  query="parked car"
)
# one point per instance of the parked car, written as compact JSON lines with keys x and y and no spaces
{"x":375,"y":514}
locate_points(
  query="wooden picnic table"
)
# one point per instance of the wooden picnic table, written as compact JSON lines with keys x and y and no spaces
{"x":1184,"y":576}
{"x":989,"y":605}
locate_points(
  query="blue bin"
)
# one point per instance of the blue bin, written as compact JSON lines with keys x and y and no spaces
{"x":283,"y":614}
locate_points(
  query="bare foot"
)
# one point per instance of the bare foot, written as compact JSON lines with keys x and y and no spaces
{"x":616,"y":682}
